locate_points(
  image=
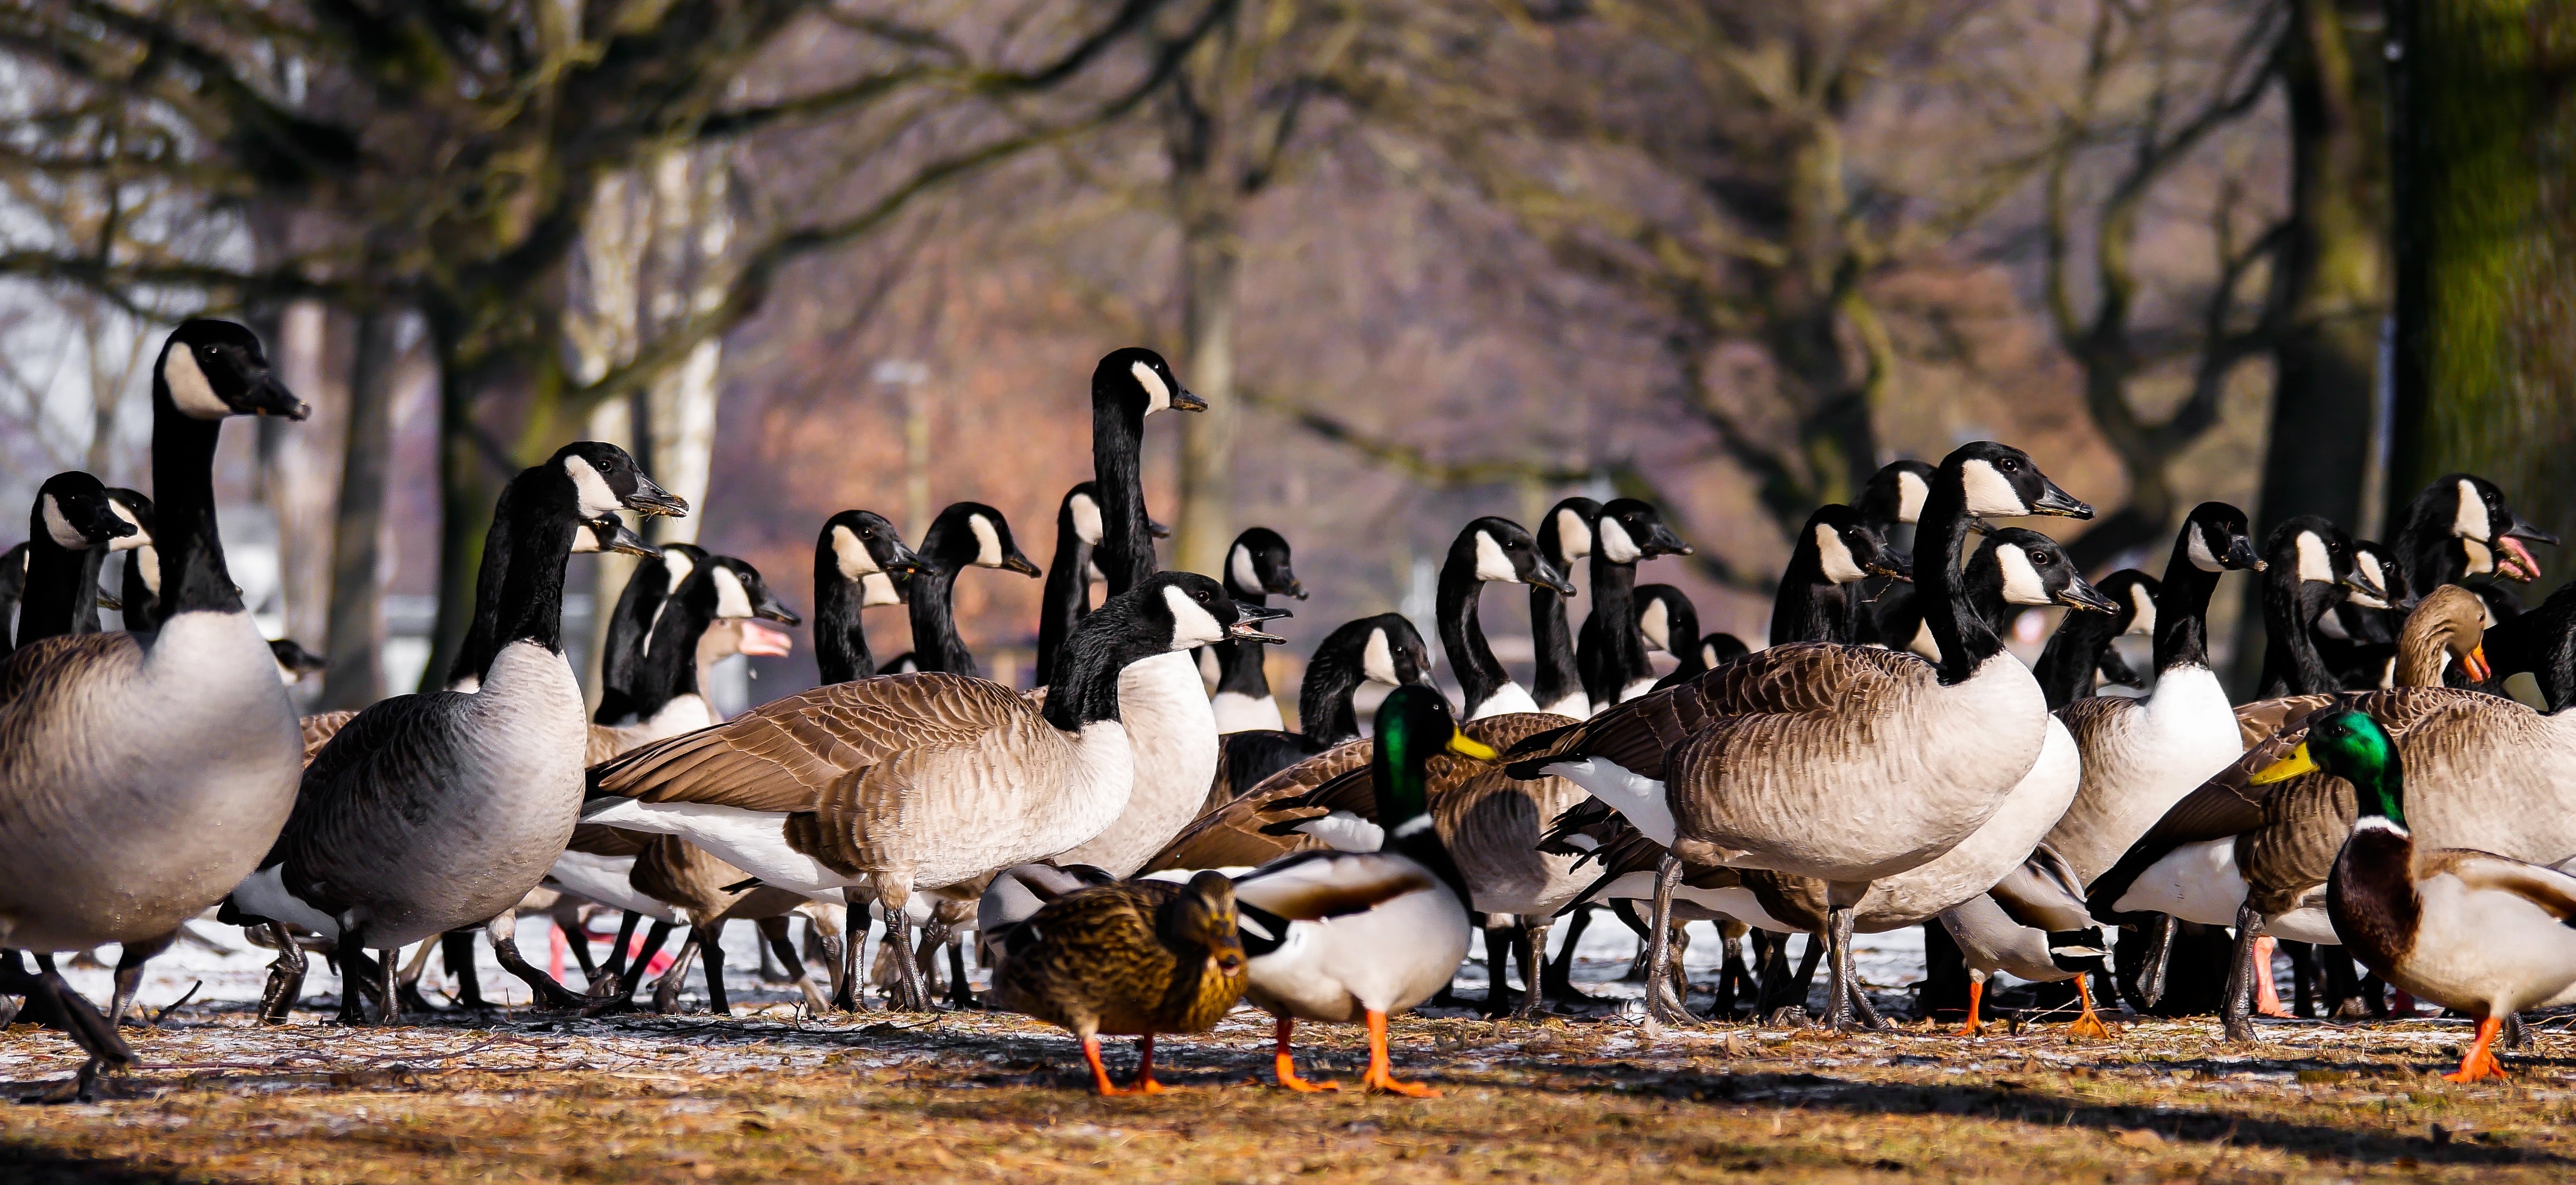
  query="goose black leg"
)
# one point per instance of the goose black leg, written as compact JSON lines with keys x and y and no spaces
{"x":1531,"y":945}
{"x":710,"y":940}
{"x":614,"y":969}
{"x":502,"y":931}
{"x":911,"y":995}
{"x":1839,"y":980}
{"x":623,"y":996}
{"x":388,"y":998}
{"x":2160,"y":943}
{"x":2348,"y":995}
{"x":456,"y":950}
{"x":107,"y":1050}
{"x":834,"y":953}
{"x":775,"y":939}
{"x":285,"y":977}
{"x":1558,"y":979}
{"x":357,"y":978}
{"x":1661,"y":1004}
{"x":1625,"y":910}
{"x":1731,"y":975}
{"x":2239,"y":998}
{"x":854,"y":962}
{"x":129,"y":974}
{"x":2303,"y":977}
{"x":666,"y":990}
{"x":961,"y":994}
{"x":1498,"y":961}
{"x":577,"y":936}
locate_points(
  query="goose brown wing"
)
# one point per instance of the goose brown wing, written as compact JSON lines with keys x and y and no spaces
{"x":2095,"y":715}
{"x":598,"y":839}
{"x":2263,"y":717}
{"x":1254,"y":828}
{"x":320,"y":727}
{"x":782,"y":755}
{"x":49,"y":661}
{"x":1803,"y":678}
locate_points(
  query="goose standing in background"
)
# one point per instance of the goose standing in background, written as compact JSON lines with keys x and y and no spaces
{"x":1610,"y":652}
{"x":434,"y":811}
{"x":1564,"y":536}
{"x":713,"y":615}
{"x":860,"y":561}
{"x":72,"y":527}
{"x":1835,"y":552}
{"x":2359,"y":643}
{"x":13,"y":584}
{"x":1669,"y":623}
{"x":2309,"y":571}
{"x":114,"y":832}
{"x":1128,"y":385}
{"x":1384,"y":649}
{"x":965,"y":535}
{"x":1890,"y":506}
{"x":2532,"y":655}
{"x":2082,"y":645}
{"x":655,"y":580}
{"x":2142,"y":755}
{"x":1489,"y":550}
{"x":2461,"y":526}
{"x":802,"y":792}
{"x":1883,"y":760}
{"x":139,"y":586}
{"x":1070,"y":573}
{"x":1256,"y":569}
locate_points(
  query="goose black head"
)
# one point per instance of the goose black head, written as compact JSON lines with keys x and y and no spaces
{"x":1498,"y":550}
{"x":606,"y":480}
{"x":211,"y":369}
{"x":2217,"y":538}
{"x":1849,"y":548}
{"x":1565,"y":534}
{"x":1721,"y":647}
{"x":1080,"y":513}
{"x":1258,"y":565}
{"x":1138,"y":380}
{"x":973,"y":535}
{"x":867,"y":551}
{"x":2374,"y":564}
{"x":742,"y":601}
{"x":2135,"y":592}
{"x":294,"y":662}
{"x":2472,"y":512}
{"x":1667,"y":618}
{"x":2001,"y":481}
{"x":1630,"y":530}
{"x":2031,"y":569}
{"x":74,"y":511}
{"x":609,"y":533}
{"x":134,"y":508}
{"x":2311,"y":549}
{"x":1393,"y":653}
{"x":1193,"y":611}
{"x":1894,"y":496}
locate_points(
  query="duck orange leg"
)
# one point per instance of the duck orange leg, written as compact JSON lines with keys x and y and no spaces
{"x":1974,"y":1025}
{"x":2479,"y":1062}
{"x":1145,"y":1083}
{"x":1286,"y":1062}
{"x":2267,"y":994}
{"x":2090,"y":1023}
{"x":1380,"y":1074}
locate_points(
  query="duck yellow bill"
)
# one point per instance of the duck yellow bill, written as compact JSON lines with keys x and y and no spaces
{"x":2286,"y":768}
{"x":1466,"y":746}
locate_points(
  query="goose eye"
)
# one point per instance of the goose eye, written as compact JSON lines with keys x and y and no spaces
{"x":2007,"y":464}
{"x":2041,"y":558}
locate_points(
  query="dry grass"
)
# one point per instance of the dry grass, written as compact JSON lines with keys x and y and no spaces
{"x":968,"y":1097}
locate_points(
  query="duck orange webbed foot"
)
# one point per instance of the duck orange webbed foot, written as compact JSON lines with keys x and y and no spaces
{"x":1284,"y":1064}
{"x":2090,"y":1023}
{"x":2479,"y":1062}
{"x":1381,"y":1075}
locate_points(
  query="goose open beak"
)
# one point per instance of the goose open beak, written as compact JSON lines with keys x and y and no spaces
{"x":108,"y":600}
{"x":649,"y":498}
{"x":762,"y":640}
{"x":775,"y":610}
{"x":1247,"y":623}
{"x":2518,"y":529}
{"x":2518,"y":563}
{"x":2055,"y":501}
{"x":2298,"y":762}
{"x":1469,"y":747}
{"x":2475,"y":663}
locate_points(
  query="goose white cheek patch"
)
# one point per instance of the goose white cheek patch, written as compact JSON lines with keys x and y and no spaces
{"x":1191,"y":625}
{"x":2022,"y":585}
{"x":1911,"y":490}
{"x":1491,"y":563}
{"x":2314,"y":562}
{"x":1239,"y":568}
{"x":60,"y":528}
{"x":128,"y":542}
{"x":590,"y":489}
{"x":1657,"y":624}
{"x":2145,"y":620}
{"x":189,"y":390}
{"x":851,"y":556}
{"x":2470,"y":521}
{"x":1990,"y":493}
{"x":1615,"y":544}
{"x":988,"y":542}
{"x":1377,"y":659}
{"x":731,"y":598}
{"x":1086,"y":521}
{"x":1158,"y":395}
{"x":677,"y":564}
{"x":1572,"y":536}
{"x":1836,"y":556}
{"x":2199,"y":552}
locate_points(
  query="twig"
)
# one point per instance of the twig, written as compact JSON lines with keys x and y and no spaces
{"x":190,"y":994}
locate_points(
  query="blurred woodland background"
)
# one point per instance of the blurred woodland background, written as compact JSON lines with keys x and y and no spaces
{"x":1425,"y":258}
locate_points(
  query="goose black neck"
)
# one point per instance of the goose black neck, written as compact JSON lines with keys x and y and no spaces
{"x":142,"y":610}
{"x":483,"y":635}
{"x":1617,"y":655}
{"x":2065,"y":667}
{"x":2542,"y":644}
{"x":1239,"y":664}
{"x":1126,"y":552}
{"x":840,"y":640}
{"x":1965,"y":639}
{"x":629,"y":626}
{"x":1325,"y":708}
{"x":1067,"y":598}
{"x":52,"y":602}
{"x":668,"y":668}
{"x":1681,"y":635}
{"x":1808,"y":607}
{"x":1553,"y":638}
{"x":193,"y":575}
{"x":2424,"y":544}
{"x":2182,"y":609}
{"x":1083,"y":687}
{"x":1480,"y":674}
{"x":2291,"y":606}
{"x":527,"y":605}
{"x":935,"y":644}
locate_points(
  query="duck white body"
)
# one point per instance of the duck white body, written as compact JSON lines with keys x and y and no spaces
{"x":1384,"y":959}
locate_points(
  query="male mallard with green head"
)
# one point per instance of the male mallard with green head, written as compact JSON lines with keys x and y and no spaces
{"x":2485,"y":934}
{"x":1135,"y":957}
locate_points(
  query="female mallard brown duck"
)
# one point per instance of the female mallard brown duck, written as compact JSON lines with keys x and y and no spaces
{"x":1140,"y":957}
{"x":2486,"y":934}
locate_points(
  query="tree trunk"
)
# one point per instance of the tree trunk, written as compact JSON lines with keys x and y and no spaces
{"x":1210,"y":260}
{"x":303,"y":463}
{"x":2485,"y":196}
{"x":2333,"y":273}
{"x":356,"y":633}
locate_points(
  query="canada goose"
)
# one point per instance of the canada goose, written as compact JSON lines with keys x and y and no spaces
{"x":2533,"y":654}
{"x":114,"y":832}
{"x":1128,"y":385}
{"x":1713,"y":768}
{"x":1834,"y":553}
{"x":630,"y":626}
{"x":1609,"y":650}
{"x":2014,"y":568}
{"x":1669,"y":624}
{"x":1343,"y":936}
{"x":2310,"y":571}
{"x":1564,"y":536}
{"x":1490,"y":550}
{"x":2082,"y":645}
{"x":434,"y":811}
{"x":2359,"y":643}
{"x":1890,"y":505}
{"x":71,"y":528}
{"x":1256,"y":569}
{"x":1383,"y":649}
{"x":708,"y":894}
{"x":966,"y":534}
{"x":859,"y":563}
{"x":2486,"y":934}
{"x":1141,"y":957}
{"x":2258,"y":860}
{"x":1070,"y":573}
{"x":800,"y":792}
{"x":2460,"y":526}
{"x":1718,"y":647}
{"x":2141,"y":755}
{"x":294,"y":662}
{"x":2032,"y":924}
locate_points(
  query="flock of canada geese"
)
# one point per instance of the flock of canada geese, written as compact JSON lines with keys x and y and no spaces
{"x":1140,"y":843}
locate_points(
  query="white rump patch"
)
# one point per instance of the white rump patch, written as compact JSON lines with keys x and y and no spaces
{"x":1191,"y":625}
{"x":1657,"y":624}
{"x":1158,"y":395}
{"x":61,"y":528}
{"x":1911,"y":490}
{"x":2314,"y":561}
{"x":1573,"y":535}
{"x":988,"y":542}
{"x":1239,"y":567}
{"x":2469,"y":521}
{"x":1990,"y":493}
{"x":1639,"y":800}
{"x":2145,"y":620}
{"x":1343,"y":831}
{"x":1615,"y":544}
{"x":1491,"y":563}
{"x":1836,"y":556}
{"x":732,"y":599}
{"x":189,"y":390}
{"x":849,"y":553}
{"x":2198,"y":550}
{"x":1086,"y":521}
{"x":2022,"y":585}
{"x":1377,"y":659}
{"x":591,"y":490}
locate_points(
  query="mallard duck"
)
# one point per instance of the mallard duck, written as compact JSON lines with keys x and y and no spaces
{"x":2488,"y":935}
{"x":1341,"y":936}
{"x":1140,"y":957}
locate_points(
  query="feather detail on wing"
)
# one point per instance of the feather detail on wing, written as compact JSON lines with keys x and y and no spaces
{"x":2263,"y":717}
{"x":1316,"y":885}
{"x":1801,"y":679}
{"x":1258,"y":826}
{"x":320,"y":727}
{"x":2547,"y":888}
{"x":597,"y":839}
{"x":2043,"y":893}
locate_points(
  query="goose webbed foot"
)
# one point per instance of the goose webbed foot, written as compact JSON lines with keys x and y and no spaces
{"x":502,"y":933}
{"x":2239,"y":996}
{"x":47,"y":993}
{"x":910,"y":993}
{"x":1661,"y":1003}
{"x":129,"y":974}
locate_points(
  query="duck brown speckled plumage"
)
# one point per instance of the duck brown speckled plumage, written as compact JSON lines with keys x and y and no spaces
{"x":1136,"y":957}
